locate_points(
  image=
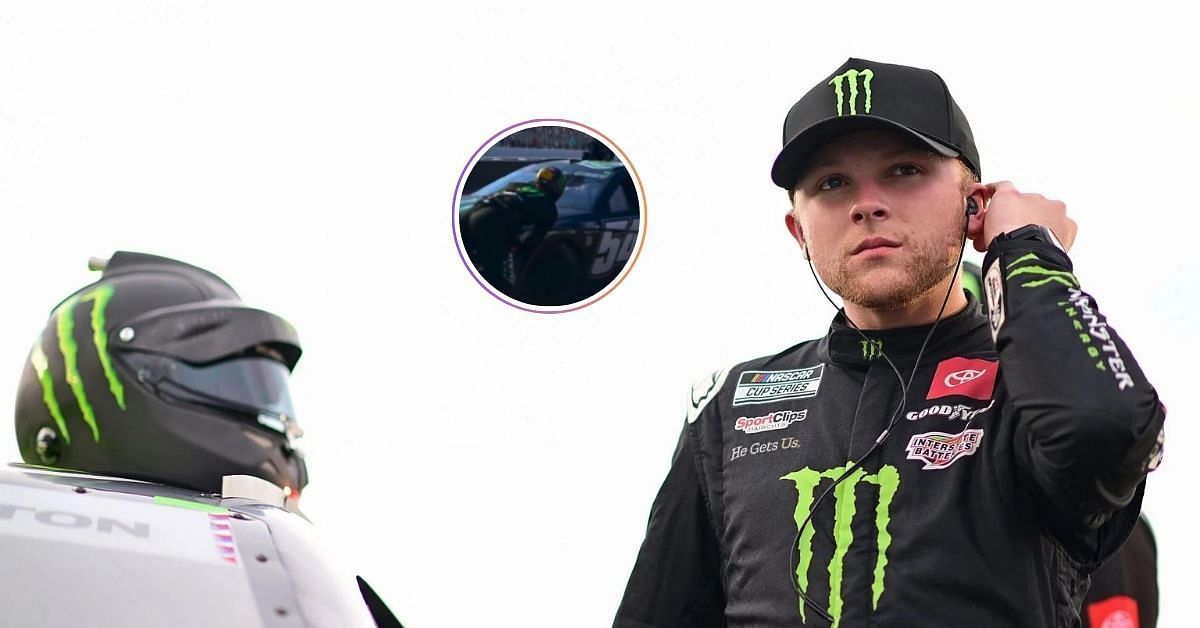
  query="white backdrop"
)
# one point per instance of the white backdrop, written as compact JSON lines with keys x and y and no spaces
{"x":486,"y":466}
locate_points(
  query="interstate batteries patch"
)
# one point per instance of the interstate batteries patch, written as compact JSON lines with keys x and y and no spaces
{"x":939,"y":450}
{"x":769,"y":386}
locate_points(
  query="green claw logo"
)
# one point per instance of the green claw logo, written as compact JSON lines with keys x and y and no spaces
{"x":851,"y":77}
{"x":1041,"y":275}
{"x":887,"y":479}
{"x":65,"y":330}
{"x":871,"y":349}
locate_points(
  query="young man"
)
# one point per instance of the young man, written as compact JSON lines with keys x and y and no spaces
{"x":924,"y":463}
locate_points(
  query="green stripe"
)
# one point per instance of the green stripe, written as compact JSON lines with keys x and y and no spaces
{"x":1044,"y":272}
{"x":888,"y":481}
{"x":867,"y":76}
{"x":1026,"y":257}
{"x":183,"y":503}
{"x":70,"y":353}
{"x":40,"y":366}
{"x":837,"y":90}
{"x":806,"y":481}
{"x":1034,"y":284}
{"x":843,"y":536}
{"x":853,"y":91}
{"x":100,"y":298}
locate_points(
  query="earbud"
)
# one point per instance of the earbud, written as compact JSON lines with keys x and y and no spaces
{"x":972,"y":208}
{"x":804,"y":251}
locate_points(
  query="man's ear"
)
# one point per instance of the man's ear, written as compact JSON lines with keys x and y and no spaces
{"x":797,"y":232}
{"x":979,"y":192}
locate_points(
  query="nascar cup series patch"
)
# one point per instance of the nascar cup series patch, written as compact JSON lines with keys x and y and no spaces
{"x":939,"y":450}
{"x":768,"y":386}
{"x":965,"y":377}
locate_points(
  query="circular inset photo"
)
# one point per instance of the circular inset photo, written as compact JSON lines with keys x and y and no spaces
{"x":549,"y":215}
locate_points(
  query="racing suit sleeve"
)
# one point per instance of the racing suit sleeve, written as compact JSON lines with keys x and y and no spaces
{"x":1089,"y":425}
{"x":676,"y":581}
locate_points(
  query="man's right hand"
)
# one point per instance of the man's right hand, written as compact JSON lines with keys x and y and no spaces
{"x":1009,"y":209}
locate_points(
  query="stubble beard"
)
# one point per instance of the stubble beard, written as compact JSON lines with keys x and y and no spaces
{"x":929,"y":263}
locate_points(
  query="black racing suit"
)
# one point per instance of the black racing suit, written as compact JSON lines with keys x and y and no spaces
{"x":1016,"y":465}
{"x":492,"y":228}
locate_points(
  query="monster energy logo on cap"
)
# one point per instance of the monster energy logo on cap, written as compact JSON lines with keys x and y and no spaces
{"x":913,"y":101}
{"x":806,"y":481}
{"x":871,"y":349}
{"x":65,"y":330}
{"x":851,"y":77}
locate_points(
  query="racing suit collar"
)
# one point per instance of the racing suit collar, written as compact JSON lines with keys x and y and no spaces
{"x":844,"y":345}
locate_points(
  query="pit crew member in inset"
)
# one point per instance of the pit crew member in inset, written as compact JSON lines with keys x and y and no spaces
{"x":492,"y":230}
{"x":927,"y":462}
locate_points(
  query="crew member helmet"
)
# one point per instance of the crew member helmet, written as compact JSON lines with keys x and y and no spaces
{"x":552,"y":179}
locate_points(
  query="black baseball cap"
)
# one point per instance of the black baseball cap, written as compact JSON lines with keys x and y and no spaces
{"x":865,"y":94}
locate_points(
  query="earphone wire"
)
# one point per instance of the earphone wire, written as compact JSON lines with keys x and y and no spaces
{"x":887,"y":432}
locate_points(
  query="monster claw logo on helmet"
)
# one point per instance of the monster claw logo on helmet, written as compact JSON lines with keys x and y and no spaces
{"x":64,"y":320}
{"x":553,"y":179}
{"x":158,"y":371}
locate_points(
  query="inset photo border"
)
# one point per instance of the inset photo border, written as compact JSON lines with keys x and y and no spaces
{"x":541,"y":215}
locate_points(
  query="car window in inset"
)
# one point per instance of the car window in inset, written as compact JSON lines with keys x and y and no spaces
{"x":618,"y":203}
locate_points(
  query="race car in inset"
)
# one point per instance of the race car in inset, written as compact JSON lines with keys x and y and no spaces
{"x":595,"y":235}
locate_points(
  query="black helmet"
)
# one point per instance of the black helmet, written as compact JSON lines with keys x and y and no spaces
{"x":158,"y":371}
{"x":552,"y":179}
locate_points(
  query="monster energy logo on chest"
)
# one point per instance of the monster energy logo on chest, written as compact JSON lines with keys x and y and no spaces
{"x":65,"y":330}
{"x":871,"y":349}
{"x":851,"y":77}
{"x":887,"y":479}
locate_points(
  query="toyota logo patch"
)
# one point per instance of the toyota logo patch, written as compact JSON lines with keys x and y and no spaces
{"x":964,"y":377}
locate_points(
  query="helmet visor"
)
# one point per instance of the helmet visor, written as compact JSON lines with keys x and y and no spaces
{"x":250,"y":385}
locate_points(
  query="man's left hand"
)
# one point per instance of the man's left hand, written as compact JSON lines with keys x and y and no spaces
{"x":1010,"y":209}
